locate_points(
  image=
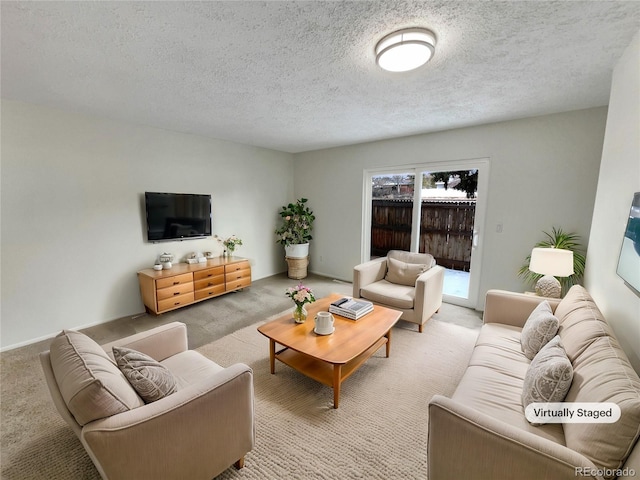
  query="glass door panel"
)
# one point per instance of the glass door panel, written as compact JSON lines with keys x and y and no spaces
{"x":448,"y":204}
{"x":391,"y":212}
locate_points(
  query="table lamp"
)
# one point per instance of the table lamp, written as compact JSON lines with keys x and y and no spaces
{"x":551,"y":262}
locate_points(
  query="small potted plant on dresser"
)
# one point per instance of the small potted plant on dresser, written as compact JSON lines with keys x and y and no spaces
{"x":294,"y":234}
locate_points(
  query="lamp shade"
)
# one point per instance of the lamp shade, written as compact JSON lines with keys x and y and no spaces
{"x":551,"y":261}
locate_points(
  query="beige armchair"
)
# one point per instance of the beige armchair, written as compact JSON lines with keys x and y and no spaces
{"x":405,"y":281}
{"x":197,"y":432}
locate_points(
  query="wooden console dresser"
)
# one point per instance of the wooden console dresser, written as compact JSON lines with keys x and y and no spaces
{"x":184,"y":284}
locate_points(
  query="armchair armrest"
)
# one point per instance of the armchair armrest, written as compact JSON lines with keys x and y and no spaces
{"x":466,"y":443}
{"x":512,"y":308}
{"x":159,"y":343}
{"x":429,"y":286}
{"x":367,"y":273}
{"x":209,"y":423}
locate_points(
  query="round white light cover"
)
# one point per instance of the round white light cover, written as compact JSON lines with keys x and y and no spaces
{"x":405,"y":50}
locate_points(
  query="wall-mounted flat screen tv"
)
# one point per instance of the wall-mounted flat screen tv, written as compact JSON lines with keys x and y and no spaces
{"x":177,"y":216}
{"x":629,"y":261}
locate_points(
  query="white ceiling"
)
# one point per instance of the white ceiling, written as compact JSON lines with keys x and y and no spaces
{"x":299,"y":76}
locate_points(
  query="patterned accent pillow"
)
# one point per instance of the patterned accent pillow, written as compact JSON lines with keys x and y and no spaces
{"x":549,"y":375}
{"x":149,"y":378}
{"x":540,"y":327}
{"x":403,"y":273}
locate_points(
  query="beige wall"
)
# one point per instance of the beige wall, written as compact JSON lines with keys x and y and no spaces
{"x":73,"y":228}
{"x":543,"y":173}
{"x":619,"y":179}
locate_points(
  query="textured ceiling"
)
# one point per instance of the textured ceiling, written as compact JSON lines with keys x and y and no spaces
{"x":298,"y":76}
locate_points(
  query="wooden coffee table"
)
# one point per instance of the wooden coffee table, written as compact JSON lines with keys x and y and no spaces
{"x":329,"y":359}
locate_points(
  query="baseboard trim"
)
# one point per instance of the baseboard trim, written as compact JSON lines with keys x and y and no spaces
{"x":52,"y":335}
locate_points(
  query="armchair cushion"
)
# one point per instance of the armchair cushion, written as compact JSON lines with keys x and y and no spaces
{"x":403,"y":273}
{"x":149,"y":378}
{"x":90,"y":383}
{"x":390,"y":294}
{"x":190,"y":367}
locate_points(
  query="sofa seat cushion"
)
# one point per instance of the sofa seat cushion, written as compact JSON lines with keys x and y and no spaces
{"x":499,"y":396}
{"x":91,"y":384}
{"x":190,"y":367}
{"x":498,"y":347}
{"x":493,"y":381}
{"x":389,"y":294}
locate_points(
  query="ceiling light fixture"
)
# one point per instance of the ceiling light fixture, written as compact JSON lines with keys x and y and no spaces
{"x":406,"y":49}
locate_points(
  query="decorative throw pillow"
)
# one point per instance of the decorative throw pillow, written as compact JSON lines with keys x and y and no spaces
{"x":404,"y":273}
{"x":149,"y":378}
{"x":549,"y":375}
{"x":540,"y":327}
{"x":91,"y":384}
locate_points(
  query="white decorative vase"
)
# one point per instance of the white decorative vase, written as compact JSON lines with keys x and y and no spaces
{"x":297,"y":251}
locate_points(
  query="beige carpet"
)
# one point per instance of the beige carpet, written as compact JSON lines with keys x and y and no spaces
{"x":379,"y":431}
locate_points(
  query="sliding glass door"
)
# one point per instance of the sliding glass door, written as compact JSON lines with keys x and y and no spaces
{"x":431,"y":208}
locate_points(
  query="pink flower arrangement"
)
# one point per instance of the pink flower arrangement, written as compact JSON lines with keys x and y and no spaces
{"x":300,"y":294}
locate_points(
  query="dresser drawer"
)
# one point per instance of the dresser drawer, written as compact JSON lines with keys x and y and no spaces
{"x":175,"y":302}
{"x":208,"y":273}
{"x":175,"y":280}
{"x":239,"y":283}
{"x":210,"y":291}
{"x":174,"y":291}
{"x":237,"y":275}
{"x":209,"y":282}
{"x":236,"y":267}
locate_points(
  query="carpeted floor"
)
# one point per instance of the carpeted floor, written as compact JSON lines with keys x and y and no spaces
{"x":379,"y":431}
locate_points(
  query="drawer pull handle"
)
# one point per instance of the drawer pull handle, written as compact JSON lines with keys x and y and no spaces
{"x":210,"y":275}
{"x":176,"y":293}
{"x":177,"y":303}
{"x":176,"y":283}
{"x":210,"y":284}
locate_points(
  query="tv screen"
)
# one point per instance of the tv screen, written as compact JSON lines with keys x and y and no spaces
{"x":629,"y":260}
{"x":176,"y":216}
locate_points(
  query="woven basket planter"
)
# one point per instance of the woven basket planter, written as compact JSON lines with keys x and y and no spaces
{"x":297,"y":267}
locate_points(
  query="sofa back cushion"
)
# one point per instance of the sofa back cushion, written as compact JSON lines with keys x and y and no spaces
{"x":601,"y":373}
{"x":90,"y":383}
{"x":580,"y":322}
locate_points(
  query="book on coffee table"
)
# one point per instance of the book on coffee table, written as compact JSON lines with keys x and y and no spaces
{"x":351,"y":308}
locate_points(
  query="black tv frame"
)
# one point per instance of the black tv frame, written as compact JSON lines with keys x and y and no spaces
{"x":178,"y":227}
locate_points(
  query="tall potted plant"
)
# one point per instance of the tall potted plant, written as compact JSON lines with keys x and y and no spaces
{"x":295,"y":232}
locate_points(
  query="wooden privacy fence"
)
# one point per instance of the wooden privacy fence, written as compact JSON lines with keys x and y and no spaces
{"x":446,"y":229}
